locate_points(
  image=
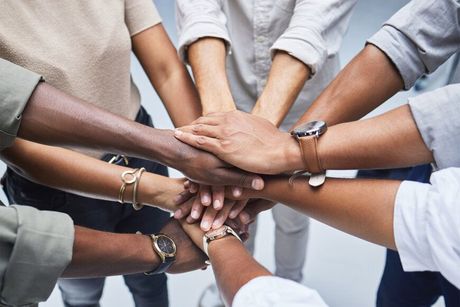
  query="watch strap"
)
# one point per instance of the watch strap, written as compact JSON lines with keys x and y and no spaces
{"x":309,"y":150}
{"x":166,"y":262}
{"x":207,"y":240}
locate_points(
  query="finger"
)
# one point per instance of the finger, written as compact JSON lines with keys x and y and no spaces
{"x":183,"y":197}
{"x":198,"y":141}
{"x":187,"y":184}
{"x":234,"y":177}
{"x":218,"y":196}
{"x":183,"y":210}
{"x":194,"y":187}
{"x":205,"y":195}
{"x":211,"y":120}
{"x":205,"y":130}
{"x":197,"y":209}
{"x":222,"y":215}
{"x":208,"y":218}
{"x":237,"y":208}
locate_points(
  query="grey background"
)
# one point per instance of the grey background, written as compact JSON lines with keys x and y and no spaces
{"x":345,"y":270}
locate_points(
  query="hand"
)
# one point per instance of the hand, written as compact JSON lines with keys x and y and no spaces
{"x":244,"y":140}
{"x":188,"y":257}
{"x":205,"y":168}
{"x":253,"y":208}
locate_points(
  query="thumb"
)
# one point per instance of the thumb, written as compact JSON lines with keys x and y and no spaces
{"x":235,"y":177}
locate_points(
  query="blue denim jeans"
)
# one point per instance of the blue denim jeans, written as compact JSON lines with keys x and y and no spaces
{"x":410,"y":289}
{"x":101,"y":215}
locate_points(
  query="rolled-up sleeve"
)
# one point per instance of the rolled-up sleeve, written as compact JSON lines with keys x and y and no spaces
{"x":197,"y":19}
{"x":16,"y":86}
{"x":315,"y":31}
{"x":436,"y":114}
{"x":140,"y":15}
{"x":420,"y":37}
{"x":35,"y":248}
{"x":427,"y":225}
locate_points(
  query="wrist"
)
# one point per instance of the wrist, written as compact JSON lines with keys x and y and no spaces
{"x":291,"y":154}
{"x":224,"y":243}
{"x":149,"y":258}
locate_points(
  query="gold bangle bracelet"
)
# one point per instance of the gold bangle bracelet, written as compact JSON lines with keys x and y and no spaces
{"x":136,"y":205}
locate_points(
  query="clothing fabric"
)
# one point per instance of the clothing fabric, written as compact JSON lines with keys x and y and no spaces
{"x":80,"y":47}
{"x":420,"y":37}
{"x":427,"y":224}
{"x":274,"y":291}
{"x":102,"y":215}
{"x":35,"y":246}
{"x":16,"y":87}
{"x":310,"y":31}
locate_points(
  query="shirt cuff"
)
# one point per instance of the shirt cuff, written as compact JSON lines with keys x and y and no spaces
{"x":401,"y":51}
{"x":16,"y":86}
{"x":140,"y":15}
{"x":436,"y":115}
{"x":42,"y":250}
{"x":275,"y":291}
{"x":209,"y":27}
{"x":311,"y":52}
{"x":409,"y":219}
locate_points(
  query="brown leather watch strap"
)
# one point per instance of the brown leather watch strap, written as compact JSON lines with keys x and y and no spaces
{"x":309,"y":149}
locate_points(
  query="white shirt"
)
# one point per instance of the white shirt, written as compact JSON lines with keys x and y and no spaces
{"x":427,"y":225}
{"x":272,"y":291}
{"x":309,"y":30}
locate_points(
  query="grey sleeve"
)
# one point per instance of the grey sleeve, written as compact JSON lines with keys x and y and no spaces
{"x":436,"y":114}
{"x":420,"y":37}
{"x":35,"y":248}
{"x":16,"y":86}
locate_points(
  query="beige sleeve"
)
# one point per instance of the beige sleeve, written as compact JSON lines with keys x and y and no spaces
{"x":140,"y":15}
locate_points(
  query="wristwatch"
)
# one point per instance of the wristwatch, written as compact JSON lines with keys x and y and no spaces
{"x":307,"y":135}
{"x":217,"y":234}
{"x":166,"y":249}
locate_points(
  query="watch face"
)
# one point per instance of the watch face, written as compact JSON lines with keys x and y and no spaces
{"x":317,"y":127}
{"x":166,"y":245}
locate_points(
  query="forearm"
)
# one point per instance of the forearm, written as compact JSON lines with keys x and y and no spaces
{"x":55,"y":118}
{"x":76,"y":173}
{"x":285,"y":81}
{"x":167,"y":74}
{"x":386,"y":141}
{"x":365,"y":83}
{"x":97,"y":253}
{"x":360,"y":207}
{"x":228,"y":255}
{"x":207,"y":59}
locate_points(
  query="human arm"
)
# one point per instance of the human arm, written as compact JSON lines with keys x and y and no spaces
{"x":77,"y":173}
{"x":204,"y":42}
{"x":315,"y":32}
{"x":97,"y":253}
{"x":167,"y":74}
{"x":409,"y":45}
{"x":389,"y":140}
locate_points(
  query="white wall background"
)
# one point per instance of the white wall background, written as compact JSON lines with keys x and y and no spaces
{"x":344,"y":270}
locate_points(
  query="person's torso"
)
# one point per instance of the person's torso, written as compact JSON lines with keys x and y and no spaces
{"x":80,"y":47}
{"x":254,"y":26}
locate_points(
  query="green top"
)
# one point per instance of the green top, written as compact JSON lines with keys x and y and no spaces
{"x":35,"y":246}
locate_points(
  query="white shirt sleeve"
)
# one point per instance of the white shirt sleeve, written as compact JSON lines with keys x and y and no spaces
{"x":200,"y":18}
{"x":427,"y":225}
{"x":271,"y":291}
{"x":315,"y":31}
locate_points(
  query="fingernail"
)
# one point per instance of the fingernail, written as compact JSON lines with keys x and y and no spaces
{"x":177,"y":132}
{"x":216,"y":224}
{"x":178,"y":214}
{"x":257,"y":184}
{"x":217,"y":204}
{"x":244,"y":217}
{"x":205,"y":200}
{"x":205,"y":225}
{"x":233,"y":214}
{"x":237,"y":192}
{"x":195,"y":214}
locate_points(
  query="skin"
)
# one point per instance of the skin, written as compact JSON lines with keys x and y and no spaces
{"x":241,"y":139}
{"x":97,"y":253}
{"x":228,"y":255}
{"x":287,"y":76}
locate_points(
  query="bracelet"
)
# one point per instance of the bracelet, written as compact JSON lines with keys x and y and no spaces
{"x":128,"y":178}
